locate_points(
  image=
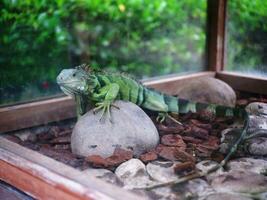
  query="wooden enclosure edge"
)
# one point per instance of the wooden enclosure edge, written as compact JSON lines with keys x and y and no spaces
{"x":241,"y":82}
{"x":30,"y":165}
{"x":45,"y":178}
{"x":216,"y":34}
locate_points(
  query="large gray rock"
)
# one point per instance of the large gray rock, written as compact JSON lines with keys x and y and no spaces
{"x":240,"y":182}
{"x":257,"y":108}
{"x":257,"y":119}
{"x":130,"y":128}
{"x":208,"y":90}
{"x":194,"y":189}
{"x":163,"y":193}
{"x":205,"y":165}
{"x":262,"y":196}
{"x":225,"y":196}
{"x":161,"y":171}
{"x":257,"y":146}
{"x":133,"y":174}
{"x":257,"y":125}
{"x":258,"y":166}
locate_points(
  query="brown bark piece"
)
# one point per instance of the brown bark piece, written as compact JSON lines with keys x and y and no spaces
{"x":149,"y":156}
{"x":97,"y":161}
{"x":193,"y":140}
{"x":181,"y":167}
{"x":173,"y":140}
{"x":197,"y":132}
{"x":166,"y":152}
{"x":184,"y":156}
{"x":201,"y":125}
{"x":119,"y":156}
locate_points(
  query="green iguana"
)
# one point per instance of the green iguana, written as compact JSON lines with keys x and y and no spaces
{"x":104,"y":88}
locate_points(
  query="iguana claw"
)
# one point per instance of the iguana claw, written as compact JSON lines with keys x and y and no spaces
{"x":162,"y":116}
{"x":105,"y":107}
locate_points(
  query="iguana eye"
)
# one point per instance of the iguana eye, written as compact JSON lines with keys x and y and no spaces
{"x":73,"y":74}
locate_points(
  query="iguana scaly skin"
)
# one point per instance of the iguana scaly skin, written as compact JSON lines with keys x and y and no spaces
{"x":103,"y":89}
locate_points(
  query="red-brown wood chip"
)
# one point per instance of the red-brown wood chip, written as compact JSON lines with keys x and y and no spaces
{"x":119,"y":156}
{"x":197,"y":132}
{"x":201,"y":125}
{"x":166,"y":152}
{"x":193,"y":140}
{"x":149,"y":156}
{"x":174,"y":153}
{"x":184,"y":156}
{"x":182,"y":167}
{"x":173,"y":140}
{"x":97,"y":161}
{"x":170,"y":129}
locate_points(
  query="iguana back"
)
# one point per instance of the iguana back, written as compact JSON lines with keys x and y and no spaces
{"x":133,"y":91}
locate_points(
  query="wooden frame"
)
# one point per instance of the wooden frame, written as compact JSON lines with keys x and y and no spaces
{"x":216,"y":21}
{"x":43,"y":177}
{"x":242,"y":82}
{"x":35,"y":113}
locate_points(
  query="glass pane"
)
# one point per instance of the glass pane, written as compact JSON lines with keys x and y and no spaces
{"x":142,"y":37}
{"x":247,"y":36}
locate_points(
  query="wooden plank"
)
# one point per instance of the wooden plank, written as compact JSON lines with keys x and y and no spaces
{"x":46,"y":178}
{"x":35,"y":113}
{"x":253,"y":84}
{"x":29,"y":183}
{"x":216,"y":34}
{"x":42,"y":112}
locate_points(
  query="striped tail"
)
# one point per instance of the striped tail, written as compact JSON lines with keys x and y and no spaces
{"x":179,"y":105}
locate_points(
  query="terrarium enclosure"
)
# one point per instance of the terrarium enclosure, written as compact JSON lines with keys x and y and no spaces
{"x":35,"y":127}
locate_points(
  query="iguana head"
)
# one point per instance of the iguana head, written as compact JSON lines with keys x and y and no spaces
{"x":76,"y":81}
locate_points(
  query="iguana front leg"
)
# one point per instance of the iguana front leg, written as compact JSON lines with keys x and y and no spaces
{"x":105,"y":98}
{"x":80,"y":105}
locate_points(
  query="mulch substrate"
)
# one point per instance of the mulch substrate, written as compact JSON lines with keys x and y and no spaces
{"x":197,"y":139}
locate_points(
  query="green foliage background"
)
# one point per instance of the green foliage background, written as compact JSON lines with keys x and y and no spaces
{"x":38,"y":38}
{"x":140,"y":36}
{"x":247,"y":36}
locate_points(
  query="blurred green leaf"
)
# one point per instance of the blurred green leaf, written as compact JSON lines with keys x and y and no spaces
{"x":146,"y":38}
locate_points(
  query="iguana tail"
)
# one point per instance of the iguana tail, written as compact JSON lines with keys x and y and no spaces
{"x":179,"y":105}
